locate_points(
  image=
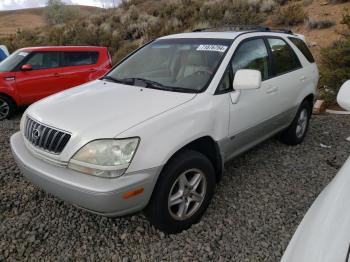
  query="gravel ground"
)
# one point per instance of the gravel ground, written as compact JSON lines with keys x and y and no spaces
{"x":255,"y":211}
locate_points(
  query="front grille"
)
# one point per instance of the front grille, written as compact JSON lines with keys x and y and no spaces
{"x":44,"y":137}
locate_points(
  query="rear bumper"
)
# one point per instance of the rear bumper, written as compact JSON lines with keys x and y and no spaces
{"x":98,"y":195}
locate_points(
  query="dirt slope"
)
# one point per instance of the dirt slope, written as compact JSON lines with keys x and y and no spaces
{"x":320,"y":10}
{"x":11,"y":21}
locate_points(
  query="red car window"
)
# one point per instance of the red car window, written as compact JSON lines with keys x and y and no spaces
{"x":79,"y":58}
{"x":44,"y":60}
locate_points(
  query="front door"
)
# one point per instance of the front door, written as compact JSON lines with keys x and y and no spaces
{"x":43,"y":80}
{"x":251,"y":111}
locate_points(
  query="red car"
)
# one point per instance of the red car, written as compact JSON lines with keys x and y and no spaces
{"x":33,"y":73}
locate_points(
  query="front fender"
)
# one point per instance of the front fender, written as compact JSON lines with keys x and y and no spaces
{"x":166,"y":134}
{"x":8,"y":88}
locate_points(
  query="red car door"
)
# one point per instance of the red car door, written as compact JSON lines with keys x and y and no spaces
{"x":43,"y":79}
{"x":79,"y":67}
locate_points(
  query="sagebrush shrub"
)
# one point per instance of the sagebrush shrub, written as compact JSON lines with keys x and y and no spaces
{"x":312,"y":23}
{"x":335,"y":69}
{"x":293,"y":14}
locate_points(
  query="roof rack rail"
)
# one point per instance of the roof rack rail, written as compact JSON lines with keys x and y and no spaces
{"x":236,"y":28}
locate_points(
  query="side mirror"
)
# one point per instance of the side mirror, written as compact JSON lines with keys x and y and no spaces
{"x":27,"y":67}
{"x":344,"y":96}
{"x":246,"y":79}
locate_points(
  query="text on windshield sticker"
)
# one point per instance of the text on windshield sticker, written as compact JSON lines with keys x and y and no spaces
{"x":214,"y":48}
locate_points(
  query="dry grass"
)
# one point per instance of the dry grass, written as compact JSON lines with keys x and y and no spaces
{"x":320,"y":38}
{"x":11,"y":21}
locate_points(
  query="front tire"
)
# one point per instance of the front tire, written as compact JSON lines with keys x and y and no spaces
{"x":183,"y":192}
{"x":6,"y":107}
{"x":296,"y":132}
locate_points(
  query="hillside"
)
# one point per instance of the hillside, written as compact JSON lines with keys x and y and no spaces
{"x":11,"y":21}
{"x":135,"y":22}
{"x":321,"y":38}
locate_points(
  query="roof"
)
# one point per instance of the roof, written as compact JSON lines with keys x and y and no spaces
{"x":218,"y":35}
{"x":230,"y":32}
{"x":63,"y":48}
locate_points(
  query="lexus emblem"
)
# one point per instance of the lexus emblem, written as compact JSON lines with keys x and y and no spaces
{"x":36,"y":134}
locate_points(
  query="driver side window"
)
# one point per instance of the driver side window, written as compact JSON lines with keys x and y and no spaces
{"x":44,"y":60}
{"x":252,"y":54}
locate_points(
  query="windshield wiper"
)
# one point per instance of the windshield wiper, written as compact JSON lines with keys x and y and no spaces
{"x":149,"y":83}
{"x":156,"y":85}
{"x":116,"y":80}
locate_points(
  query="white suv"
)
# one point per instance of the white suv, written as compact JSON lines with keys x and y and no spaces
{"x":155,"y":132}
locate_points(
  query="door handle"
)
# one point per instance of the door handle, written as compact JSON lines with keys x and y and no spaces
{"x":56,"y":74}
{"x":10,"y":78}
{"x":302,"y":78}
{"x":271,"y":89}
{"x":93,"y":70}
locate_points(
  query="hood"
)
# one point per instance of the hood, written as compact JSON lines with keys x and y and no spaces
{"x":323,"y":234}
{"x":103,"y":109}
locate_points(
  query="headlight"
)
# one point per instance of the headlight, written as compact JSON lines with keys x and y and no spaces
{"x":105,"y":158}
{"x":23,"y":120}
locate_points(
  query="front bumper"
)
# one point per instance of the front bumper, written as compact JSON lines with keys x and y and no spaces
{"x":98,"y":195}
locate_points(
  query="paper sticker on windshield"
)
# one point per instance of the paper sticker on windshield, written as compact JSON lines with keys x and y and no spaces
{"x":23,"y":54}
{"x":214,"y":48}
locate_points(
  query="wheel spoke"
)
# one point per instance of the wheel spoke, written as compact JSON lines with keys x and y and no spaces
{"x":195,"y":181}
{"x":183,"y":182}
{"x":196,"y":197}
{"x":298,"y":130}
{"x":182,"y":212}
{"x":176,"y":199}
{"x":4,"y":105}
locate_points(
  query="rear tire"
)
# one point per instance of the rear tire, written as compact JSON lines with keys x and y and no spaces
{"x":296,"y":132}
{"x":183,"y":192}
{"x":6,"y":107}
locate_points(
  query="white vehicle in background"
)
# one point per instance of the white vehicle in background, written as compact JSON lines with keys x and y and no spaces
{"x":4,"y":53}
{"x":324,"y":233}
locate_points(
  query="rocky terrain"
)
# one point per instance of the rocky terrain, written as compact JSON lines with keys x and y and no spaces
{"x":256,"y":209}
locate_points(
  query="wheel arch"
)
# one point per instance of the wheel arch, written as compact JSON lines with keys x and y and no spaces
{"x":208,"y":147}
{"x":310,"y":99}
{"x":9,"y":97}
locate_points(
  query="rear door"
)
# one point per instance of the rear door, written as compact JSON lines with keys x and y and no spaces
{"x":79,"y":67}
{"x":287,"y":77}
{"x":43,"y":80}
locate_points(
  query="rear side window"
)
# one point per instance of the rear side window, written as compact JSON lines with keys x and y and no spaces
{"x":284,"y":59}
{"x":300,"y":44}
{"x":79,"y":58}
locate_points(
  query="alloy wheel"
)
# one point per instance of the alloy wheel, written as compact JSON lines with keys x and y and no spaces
{"x":187,"y":194}
{"x":4,"y":109}
{"x":302,"y":123}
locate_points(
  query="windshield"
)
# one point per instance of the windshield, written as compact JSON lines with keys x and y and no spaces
{"x":184,"y":65}
{"x":12,"y":61}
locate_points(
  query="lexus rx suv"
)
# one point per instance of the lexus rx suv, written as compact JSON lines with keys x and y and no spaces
{"x":31,"y":74}
{"x":154,"y":133}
